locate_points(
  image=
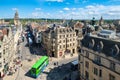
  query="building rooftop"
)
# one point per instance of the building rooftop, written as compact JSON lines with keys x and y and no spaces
{"x":116,"y":39}
{"x":111,"y":48}
{"x":106,"y":31}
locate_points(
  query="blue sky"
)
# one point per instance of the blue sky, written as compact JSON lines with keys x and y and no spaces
{"x":63,"y":9}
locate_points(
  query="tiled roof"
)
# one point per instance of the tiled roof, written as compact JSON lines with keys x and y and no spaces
{"x":78,"y":25}
{"x":3,"y":32}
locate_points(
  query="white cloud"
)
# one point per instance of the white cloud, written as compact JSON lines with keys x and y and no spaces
{"x":14,"y":9}
{"x":89,"y":6}
{"x":35,"y":14}
{"x":66,"y":9}
{"x":80,"y":1}
{"x":55,"y":0}
{"x":61,"y":11}
{"x":48,"y":13}
{"x":37,"y":9}
{"x":87,"y":12}
{"x":73,"y":9}
{"x":108,"y":12}
{"x":84,"y":1}
{"x":40,"y":15}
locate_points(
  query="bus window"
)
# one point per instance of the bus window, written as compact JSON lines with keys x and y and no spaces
{"x":33,"y":71}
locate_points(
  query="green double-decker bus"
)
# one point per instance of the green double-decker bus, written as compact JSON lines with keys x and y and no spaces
{"x":39,"y":66}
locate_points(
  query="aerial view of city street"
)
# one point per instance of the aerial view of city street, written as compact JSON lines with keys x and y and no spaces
{"x":60,"y":40}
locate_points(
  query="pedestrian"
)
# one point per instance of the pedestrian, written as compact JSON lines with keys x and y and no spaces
{"x":54,"y":64}
{"x":15,"y":70}
{"x":21,"y":65}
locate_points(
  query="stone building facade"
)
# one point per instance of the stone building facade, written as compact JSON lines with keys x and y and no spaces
{"x":37,"y":30}
{"x":60,"y":41}
{"x":77,"y":26}
{"x":99,"y":59}
{"x":6,"y":50}
{"x":3,"y":22}
{"x":38,"y":36}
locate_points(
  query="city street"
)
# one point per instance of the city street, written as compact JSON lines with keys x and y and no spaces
{"x":53,"y":72}
{"x":60,"y":40}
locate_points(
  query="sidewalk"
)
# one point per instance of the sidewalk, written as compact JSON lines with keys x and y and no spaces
{"x":67,"y":57}
{"x":11,"y":77}
{"x":28,"y":64}
{"x":62,"y":70}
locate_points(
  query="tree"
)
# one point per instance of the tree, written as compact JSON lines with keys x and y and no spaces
{"x":93,"y":21}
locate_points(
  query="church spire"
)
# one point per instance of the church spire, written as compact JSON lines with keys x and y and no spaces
{"x":101,"y":22}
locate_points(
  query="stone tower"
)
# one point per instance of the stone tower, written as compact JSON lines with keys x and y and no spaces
{"x":16,"y":18}
{"x":101,"y":21}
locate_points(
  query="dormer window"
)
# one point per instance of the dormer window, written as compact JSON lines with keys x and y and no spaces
{"x":91,"y":43}
{"x":115,"y":50}
{"x":100,"y":46}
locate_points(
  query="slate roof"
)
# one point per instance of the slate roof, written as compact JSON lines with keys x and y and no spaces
{"x":108,"y":45}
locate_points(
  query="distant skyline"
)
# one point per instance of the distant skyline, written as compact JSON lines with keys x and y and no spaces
{"x":61,"y":9}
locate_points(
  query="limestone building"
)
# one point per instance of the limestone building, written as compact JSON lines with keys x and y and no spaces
{"x":38,"y":37}
{"x":99,"y":58}
{"x":6,"y":50}
{"x":60,"y":41}
{"x":37,"y":30}
{"x":3,"y":22}
{"x":77,"y":27}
